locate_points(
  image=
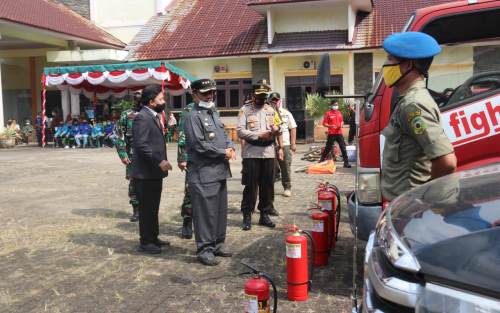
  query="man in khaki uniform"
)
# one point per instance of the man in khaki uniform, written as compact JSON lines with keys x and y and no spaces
{"x":257,"y":127}
{"x":416,"y":148}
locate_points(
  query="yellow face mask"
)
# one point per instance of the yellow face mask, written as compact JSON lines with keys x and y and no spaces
{"x":392,"y":73}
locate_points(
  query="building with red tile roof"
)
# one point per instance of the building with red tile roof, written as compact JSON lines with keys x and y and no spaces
{"x":32,"y":30}
{"x":56,"y":18}
{"x":239,"y":42}
{"x":228,"y":28}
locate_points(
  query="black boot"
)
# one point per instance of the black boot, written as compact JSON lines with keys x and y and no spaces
{"x":187,"y":228}
{"x":273,"y":212}
{"x":347,"y":165}
{"x":265,"y":220}
{"x":135,"y":215}
{"x":247,"y":221}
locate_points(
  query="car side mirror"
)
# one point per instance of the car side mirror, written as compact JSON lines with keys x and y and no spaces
{"x":368,"y":107}
{"x":368,"y":111}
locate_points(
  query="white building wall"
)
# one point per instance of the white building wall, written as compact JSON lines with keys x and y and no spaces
{"x":122,"y":18}
{"x":205,"y":68}
{"x":283,"y":66}
{"x":310,"y":18}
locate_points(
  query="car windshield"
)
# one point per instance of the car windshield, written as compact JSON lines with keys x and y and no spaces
{"x":469,"y":66}
{"x":460,"y":73}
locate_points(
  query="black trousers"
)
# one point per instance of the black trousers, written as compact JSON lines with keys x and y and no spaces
{"x":258,"y":178}
{"x":329,"y":146}
{"x":39,"y":137}
{"x":148,"y":193}
{"x":209,"y":203}
{"x":352,"y":133}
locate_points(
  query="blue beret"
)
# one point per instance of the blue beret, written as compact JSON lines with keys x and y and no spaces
{"x":411,"y":45}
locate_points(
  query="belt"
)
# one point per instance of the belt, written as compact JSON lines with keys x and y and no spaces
{"x":260,"y":143}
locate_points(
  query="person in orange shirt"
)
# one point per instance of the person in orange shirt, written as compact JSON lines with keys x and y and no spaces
{"x":333,"y":120}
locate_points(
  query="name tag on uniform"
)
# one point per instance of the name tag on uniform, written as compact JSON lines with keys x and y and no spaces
{"x":252,"y":122}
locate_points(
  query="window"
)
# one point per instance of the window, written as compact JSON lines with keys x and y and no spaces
{"x":232,"y":93}
{"x":234,"y":97}
{"x":221,"y":98}
{"x":177,"y":102}
{"x":472,"y":72}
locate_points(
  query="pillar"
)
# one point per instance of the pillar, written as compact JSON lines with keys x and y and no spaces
{"x":350,"y":74}
{"x":65,"y":104}
{"x":75,"y":105}
{"x":2,"y":123}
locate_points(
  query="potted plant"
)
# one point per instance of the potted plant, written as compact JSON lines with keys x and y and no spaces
{"x":8,"y":138}
{"x":317,"y":106}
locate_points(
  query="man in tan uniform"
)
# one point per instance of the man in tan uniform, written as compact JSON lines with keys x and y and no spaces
{"x":416,"y":148}
{"x":257,"y":127}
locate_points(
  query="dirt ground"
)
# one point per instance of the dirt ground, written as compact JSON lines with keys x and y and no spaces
{"x":66,"y":244}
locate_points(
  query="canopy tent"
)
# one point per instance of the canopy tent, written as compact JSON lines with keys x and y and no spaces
{"x":118,"y":80}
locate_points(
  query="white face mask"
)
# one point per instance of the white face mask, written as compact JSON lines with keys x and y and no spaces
{"x":335,"y":107}
{"x":207,"y":105}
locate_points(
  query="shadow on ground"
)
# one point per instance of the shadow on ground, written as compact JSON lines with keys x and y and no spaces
{"x":120,"y":245}
{"x":101,"y":212}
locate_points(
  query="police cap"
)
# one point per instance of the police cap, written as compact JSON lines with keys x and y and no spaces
{"x":203,"y":85}
{"x":411,"y":45}
{"x":274,"y":95}
{"x":262,"y":89}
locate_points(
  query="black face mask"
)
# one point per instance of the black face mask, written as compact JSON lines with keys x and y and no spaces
{"x":159,"y":108}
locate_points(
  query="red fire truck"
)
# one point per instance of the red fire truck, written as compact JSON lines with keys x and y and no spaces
{"x":467,"y":90}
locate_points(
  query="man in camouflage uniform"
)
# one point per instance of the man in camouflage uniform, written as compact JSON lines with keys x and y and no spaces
{"x":123,"y":129}
{"x":186,"y":208}
{"x":416,"y":148}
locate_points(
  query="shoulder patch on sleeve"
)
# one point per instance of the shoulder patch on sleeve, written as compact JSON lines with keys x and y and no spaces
{"x":418,"y":125}
{"x":412,"y":115}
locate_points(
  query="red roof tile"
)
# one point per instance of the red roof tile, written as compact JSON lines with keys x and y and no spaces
{"x":214,"y":28}
{"x":263,"y":2}
{"x":54,"y":17}
{"x":207,"y":28}
{"x":387,"y":17}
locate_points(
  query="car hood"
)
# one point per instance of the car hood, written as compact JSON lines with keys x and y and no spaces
{"x":452,"y":226}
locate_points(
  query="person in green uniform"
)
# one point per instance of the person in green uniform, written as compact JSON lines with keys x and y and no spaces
{"x":416,"y":148}
{"x":123,"y":129}
{"x":182,"y":158}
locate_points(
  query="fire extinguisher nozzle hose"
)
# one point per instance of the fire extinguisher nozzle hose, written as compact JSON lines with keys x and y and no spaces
{"x":275,"y":291}
{"x":313,"y":254}
{"x":268,"y":277}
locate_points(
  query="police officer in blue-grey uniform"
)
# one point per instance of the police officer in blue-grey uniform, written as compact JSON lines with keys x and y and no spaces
{"x":416,"y":148}
{"x":209,"y":150}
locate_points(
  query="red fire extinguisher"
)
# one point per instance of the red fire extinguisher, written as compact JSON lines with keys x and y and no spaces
{"x":329,"y":201}
{"x":257,"y":292}
{"x":319,"y":232}
{"x":297,"y":264}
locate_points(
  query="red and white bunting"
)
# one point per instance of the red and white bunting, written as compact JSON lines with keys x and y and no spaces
{"x":102,"y":85}
{"x":118,"y":77}
{"x":97,"y":78}
{"x":113,"y":77}
{"x":75,"y":78}
{"x":142,"y":74}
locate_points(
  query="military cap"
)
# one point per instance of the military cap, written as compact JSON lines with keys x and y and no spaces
{"x":274,"y":95}
{"x":203,"y":85}
{"x":411,"y":45}
{"x":261,"y":89}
